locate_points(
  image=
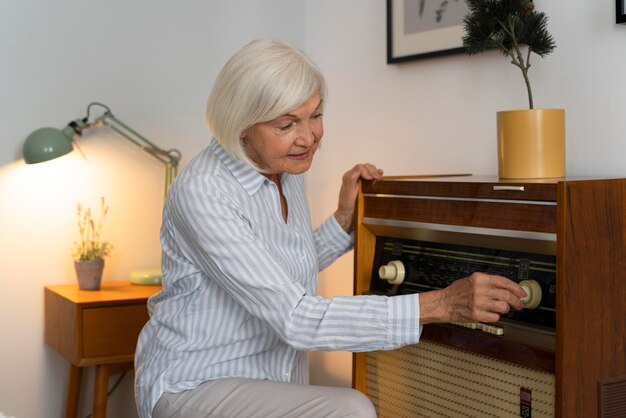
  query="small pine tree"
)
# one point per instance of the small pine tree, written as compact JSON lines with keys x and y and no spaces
{"x":508,"y":25}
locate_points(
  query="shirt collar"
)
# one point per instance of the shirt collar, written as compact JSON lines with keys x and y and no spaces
{"x":249,"y":178}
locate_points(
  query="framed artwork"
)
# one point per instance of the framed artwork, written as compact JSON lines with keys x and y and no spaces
{"x":620,"y":11}
{"x":419,"y":29}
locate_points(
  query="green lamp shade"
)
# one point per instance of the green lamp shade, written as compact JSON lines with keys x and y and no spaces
{"x":46,"y":144}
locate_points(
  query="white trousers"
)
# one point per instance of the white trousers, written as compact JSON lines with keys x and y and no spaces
{"x":248,"y":398}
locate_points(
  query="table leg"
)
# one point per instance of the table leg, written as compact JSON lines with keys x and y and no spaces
{"x":101,"y":386}
{"x":73,"y":391}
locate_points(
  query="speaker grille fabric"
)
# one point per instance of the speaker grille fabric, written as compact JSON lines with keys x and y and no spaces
{"x":612,"y":397}
{"x":434,"y":380}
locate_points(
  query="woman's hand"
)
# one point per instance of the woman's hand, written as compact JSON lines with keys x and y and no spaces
{"x":477,"y":298}
{"x":349,"y":190}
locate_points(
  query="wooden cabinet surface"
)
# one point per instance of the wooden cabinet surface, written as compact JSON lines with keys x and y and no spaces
{"x":95,"y":328}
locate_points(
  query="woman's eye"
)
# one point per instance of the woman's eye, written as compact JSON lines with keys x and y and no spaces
{"x":286,"y":127}
{"x":318,"y":115}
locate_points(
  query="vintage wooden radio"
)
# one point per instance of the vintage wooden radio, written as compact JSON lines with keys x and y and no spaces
{"x":563,"y":240}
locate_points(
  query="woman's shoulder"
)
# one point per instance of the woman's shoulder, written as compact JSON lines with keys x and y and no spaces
{"x":205,"y":171}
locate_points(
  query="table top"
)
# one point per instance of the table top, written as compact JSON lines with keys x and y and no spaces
{"x":487,"y":178}
{"x":109,"y":292}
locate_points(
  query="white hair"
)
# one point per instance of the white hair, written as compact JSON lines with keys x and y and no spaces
{"x":264,"y":80}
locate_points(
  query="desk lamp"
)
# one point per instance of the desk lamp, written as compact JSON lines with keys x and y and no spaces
{"x":46,"y":144}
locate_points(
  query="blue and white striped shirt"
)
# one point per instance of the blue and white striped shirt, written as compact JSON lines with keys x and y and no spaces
{"x":239,"y":286}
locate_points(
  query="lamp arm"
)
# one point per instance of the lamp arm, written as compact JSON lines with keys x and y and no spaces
{"x":165,"y":156}
{"x":170,"y":158}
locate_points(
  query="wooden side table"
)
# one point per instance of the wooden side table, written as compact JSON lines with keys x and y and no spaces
{"x":95,"y":328}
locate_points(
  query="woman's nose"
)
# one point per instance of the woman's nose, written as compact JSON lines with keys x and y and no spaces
{"x":306,"y":135}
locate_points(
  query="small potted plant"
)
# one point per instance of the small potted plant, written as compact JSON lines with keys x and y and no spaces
{"x":531,"y":142}
{"x":90,"y":250}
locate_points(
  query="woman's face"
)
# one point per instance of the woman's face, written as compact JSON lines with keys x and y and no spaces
{"x":287,"y":144}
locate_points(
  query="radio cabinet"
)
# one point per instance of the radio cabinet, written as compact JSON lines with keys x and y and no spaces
{"x":457,"y":371}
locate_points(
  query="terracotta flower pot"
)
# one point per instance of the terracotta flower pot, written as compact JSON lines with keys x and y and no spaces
{"x":89,"y":274}
{"x":531,"y":143}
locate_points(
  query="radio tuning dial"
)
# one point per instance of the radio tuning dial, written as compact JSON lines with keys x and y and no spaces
{"x":393,"y":272}
{"x":533,"y":292}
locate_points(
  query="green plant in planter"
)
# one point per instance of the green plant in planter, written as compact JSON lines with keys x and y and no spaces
{"x":91,"y":247}
{"x":510,"y":26}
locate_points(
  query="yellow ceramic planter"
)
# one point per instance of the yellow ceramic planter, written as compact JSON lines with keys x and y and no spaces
{"x":531,"y":143}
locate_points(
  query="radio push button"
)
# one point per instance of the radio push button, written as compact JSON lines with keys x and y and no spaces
{"x":393,"y":272}
{"x":533,"y":293}
{"x":489,"y":329}
{"x":492,"y":329}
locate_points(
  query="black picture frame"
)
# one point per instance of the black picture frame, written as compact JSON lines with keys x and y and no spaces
{"x":620,"y":11}
{"x":435,"y":34}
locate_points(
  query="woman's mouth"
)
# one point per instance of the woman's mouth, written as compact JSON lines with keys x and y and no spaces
{"x":302,"y":156}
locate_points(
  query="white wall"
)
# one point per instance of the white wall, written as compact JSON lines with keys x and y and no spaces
{"x":153,"y":62}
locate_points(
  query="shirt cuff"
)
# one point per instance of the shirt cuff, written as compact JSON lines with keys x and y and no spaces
{"x":404,"y":325}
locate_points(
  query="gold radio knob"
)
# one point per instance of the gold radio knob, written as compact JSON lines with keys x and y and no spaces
{"x":533,"y":292}
{"x":393,"y":272}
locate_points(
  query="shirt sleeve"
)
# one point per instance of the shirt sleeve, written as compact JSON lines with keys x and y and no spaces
{"x":216,"y":236}
{"x":331,"y":242}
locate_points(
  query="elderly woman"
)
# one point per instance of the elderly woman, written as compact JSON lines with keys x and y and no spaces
{"x":229,"y":332}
